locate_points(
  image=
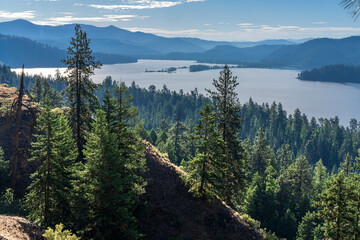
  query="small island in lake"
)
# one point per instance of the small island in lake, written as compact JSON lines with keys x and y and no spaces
{"x":333,"y":73}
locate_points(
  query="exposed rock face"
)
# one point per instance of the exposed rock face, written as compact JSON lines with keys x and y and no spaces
{"x":171,"y":212}
{"x":17,"y":228}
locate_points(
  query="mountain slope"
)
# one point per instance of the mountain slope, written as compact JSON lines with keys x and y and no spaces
{"x":171,"y":212}
{"x":15,"y":51}
{"x":317,"y":53}
{"x":226,"y":54}
{"x":58,"y":35}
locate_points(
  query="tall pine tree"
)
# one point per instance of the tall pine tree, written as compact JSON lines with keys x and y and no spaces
{"x":229,"y":124}
{"x":80,"y":89}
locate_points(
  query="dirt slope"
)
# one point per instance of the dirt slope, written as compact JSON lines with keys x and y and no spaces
{"x":17,"y":228}
{"x":171,"y":212}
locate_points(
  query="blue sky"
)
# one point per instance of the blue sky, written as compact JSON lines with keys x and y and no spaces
{"x":230,"y":20}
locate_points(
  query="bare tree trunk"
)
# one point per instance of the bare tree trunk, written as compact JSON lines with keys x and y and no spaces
{"x":18,"y":106}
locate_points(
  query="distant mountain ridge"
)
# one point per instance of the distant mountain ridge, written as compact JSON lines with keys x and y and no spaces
{"x":115,"y":45}
{"x":226,"y":54}
{"x":318,"y":53}
{"x":119,"y":41}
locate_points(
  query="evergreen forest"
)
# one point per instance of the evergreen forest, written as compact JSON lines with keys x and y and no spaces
{"x":289,"y":174}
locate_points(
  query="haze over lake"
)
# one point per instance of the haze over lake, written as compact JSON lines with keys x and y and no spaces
{"x":316,"y":99}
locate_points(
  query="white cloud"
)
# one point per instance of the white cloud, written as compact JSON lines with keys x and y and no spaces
{"x":55,"y":21}
{"x":245,"y":24}
{"x":319,"y":23}
{"x":145,"y":4}
{"x":15,"y":15}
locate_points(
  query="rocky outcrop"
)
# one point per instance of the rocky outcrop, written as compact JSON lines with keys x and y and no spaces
{"x":18,"y":228}
{"x":169,"y":211}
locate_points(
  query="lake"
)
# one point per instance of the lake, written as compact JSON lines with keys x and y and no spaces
{"x":316,"y":99}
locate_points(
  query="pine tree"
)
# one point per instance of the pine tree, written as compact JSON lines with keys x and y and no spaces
{"x":306,"y":227}
{"x":337,"y":209}
{"x":176,"y":143}
{"x":80,"y":89}
{"x":260,"y":200}
{"x":205,"y":168}
{"x":114,"y":159}
{"x":229,"y":123}
{"x":42,"y":90}
{"x":320,"y":176}
{"x":284,"y":156}
{"x":347,"y":165}
{"x":261,"y":155}
{"x":153,"y":136}
{"x":37,"y":89}
{"x":109,"y":108}
{"x":297,"y":179}
{"x":109,"y":187}
{"x":48,"y":200}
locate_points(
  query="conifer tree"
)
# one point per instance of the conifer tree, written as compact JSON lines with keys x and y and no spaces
{"x":37,"y":90}
{"x":260,"y":200}
{"x":347,"y":165}
{"x":48,"y":200}
{"x":176,"y":143}
{"x":153,"y":136}
{"x":109,"y":108}
{"x":114,"y":160}
{"x":127,"y":140}
{"x":284,"y":156}
{"x":297,"y":179}
{"x":229,"y":123}
{"x":206,"y":167}
{"x":336,"y":208}
{"x":42,"y":90}
{"x":319,"y":178}
{"x":80,"y":89}
{"x":306,"y":228}
{"x":109,"y":185}
{"x":261,"y":155}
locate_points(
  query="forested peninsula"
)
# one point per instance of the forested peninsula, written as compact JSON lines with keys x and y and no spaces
{"x":332,"y":73}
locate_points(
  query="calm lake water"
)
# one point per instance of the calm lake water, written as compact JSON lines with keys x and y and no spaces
{"x":316,"y":99}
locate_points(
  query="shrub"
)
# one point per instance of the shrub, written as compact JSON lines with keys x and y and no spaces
{"x":59,"y":234}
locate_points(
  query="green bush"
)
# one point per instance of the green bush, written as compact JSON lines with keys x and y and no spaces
{"x":249,"y":220}
{"x":59,"y":234}
{"x":9,"y":205}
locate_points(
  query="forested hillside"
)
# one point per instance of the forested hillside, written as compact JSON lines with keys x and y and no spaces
{"x":317,"y":53}
{"x":12,"y":51}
